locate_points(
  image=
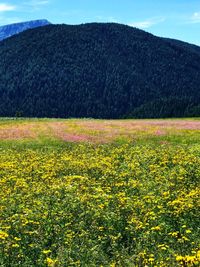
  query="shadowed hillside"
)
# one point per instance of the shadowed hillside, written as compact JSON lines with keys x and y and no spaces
{"x":98,"y":70}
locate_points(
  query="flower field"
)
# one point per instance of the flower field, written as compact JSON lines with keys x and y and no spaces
{"x":127,"y":194}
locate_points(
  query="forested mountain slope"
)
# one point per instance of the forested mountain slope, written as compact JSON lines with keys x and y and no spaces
{"x":98,"y":70}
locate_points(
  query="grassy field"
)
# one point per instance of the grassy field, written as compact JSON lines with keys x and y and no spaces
{"x":99,"y":192}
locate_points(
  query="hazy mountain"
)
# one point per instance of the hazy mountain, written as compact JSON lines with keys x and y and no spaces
{"x":98,"y":70}
{"x":12,"y":29}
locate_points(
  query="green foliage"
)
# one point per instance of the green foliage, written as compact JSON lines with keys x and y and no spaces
{"x":105,"y":205}
{"x":124,"y":203}
{"x":98,"y":70}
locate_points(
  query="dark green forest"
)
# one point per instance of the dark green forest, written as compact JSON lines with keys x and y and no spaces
{"x":99,"y":70}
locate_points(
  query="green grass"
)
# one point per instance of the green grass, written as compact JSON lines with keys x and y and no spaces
{"x":127,"y":194}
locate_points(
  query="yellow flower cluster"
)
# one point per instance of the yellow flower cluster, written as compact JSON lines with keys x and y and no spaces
{"x":100,"y":205}
{"x":189,"y":260}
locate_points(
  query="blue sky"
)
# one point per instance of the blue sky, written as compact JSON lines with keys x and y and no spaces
{"x":179,"y":19}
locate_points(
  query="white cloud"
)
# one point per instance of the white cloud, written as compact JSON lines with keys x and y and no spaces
{"x":38,"y":3}
{"x":195,"y":18}
{"x":146,"y":23}
{"x":6,"y":7}
{"x":35,"y":5}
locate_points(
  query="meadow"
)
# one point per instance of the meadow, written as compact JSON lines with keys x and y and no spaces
{"x":99,"y":192}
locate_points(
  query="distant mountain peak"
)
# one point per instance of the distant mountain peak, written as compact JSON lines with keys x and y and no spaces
{"x":15,"y":28}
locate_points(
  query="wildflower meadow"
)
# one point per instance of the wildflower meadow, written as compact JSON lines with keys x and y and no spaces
{"x":99,"y":193}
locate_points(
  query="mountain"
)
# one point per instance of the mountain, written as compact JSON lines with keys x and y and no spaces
{"x":12,"y":29}
{"x":100,"y":70}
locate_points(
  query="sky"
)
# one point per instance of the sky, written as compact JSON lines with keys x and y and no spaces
{"x":178,"y":19}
